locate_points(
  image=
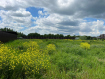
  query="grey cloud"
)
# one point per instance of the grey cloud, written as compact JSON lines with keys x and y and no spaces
{"x":99,"y":16}
{"x":63,"y":11}
{"x":43,"y":3}
{"x":48,"y":23}
{"x":83,"y":8}
{"x":19,"y":21}
{"x":101,"y":28}
{"x":90,"y":8}
{"x":69,"y":23}
{"x":68,"y":29}
{"x":94,"y":7}
{"x":20,"y":14}
{"x":12,"y":5}
{"x":86,"y":29}
{"x":9,"y":7}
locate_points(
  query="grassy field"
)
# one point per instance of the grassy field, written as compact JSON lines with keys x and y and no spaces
{"x":52,"y":59}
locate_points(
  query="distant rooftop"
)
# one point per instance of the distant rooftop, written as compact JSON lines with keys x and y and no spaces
{"x":102,"y":34}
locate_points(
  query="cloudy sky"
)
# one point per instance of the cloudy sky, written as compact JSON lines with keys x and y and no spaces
{"x":67,"y":17}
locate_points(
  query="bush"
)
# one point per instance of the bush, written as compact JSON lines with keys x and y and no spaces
{"x":85,"y":45}
{"x":51,"y":48}
{"x":14,"y":65}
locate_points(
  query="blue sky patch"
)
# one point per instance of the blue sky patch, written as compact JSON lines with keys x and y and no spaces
{"x":0,"y":18}
{"x":32,"y":25}
{"x":90,"y":19}
{"x":93,"y":19}
{"x":34,"y":11}
{"x":23,"y":28}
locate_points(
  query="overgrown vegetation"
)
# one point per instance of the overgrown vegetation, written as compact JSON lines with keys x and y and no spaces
{"x":52,"y":59}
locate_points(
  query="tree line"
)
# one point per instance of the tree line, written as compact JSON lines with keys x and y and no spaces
{"x":45,"y":36}
{"x":49,"y":36}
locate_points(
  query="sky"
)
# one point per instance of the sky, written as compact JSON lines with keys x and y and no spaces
{"x":67,"y":17}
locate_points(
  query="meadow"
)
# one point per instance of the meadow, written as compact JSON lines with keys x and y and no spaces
{"x":52,"y":59}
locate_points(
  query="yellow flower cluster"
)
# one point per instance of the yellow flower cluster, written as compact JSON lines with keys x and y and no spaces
{"x":5,"y":55}
{"x":39,"y":41}
{"x":79,"y":40}
{"x":85,"y":45}
{"x":30,"y":44}
{"x":32,"y":61}
{"x":51,"y":47}
{"x":95,"y":40}
{"x":69,"y":39}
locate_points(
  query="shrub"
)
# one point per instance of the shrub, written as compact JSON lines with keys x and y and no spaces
{"x":51,"y":48}
{"x":85,"y":45}
{"x":31,"y":62}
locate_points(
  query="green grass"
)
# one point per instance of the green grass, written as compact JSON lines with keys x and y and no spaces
{"x":69,"y":61}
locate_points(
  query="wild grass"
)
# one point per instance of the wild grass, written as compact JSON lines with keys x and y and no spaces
{"x":52,"y":59}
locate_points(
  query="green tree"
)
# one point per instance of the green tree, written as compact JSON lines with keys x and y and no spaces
{"x":61,"y":36}
{"x":83,"y":37}
{"x":34,"y":35}
{"x":7,"y":29}
{"x":20,"y":34}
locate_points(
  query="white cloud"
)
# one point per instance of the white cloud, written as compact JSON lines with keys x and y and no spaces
{"x":65,"y":3}
{"x":40,"y":12}
{"x":92,"y":28}
{"x":15,"y":19}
